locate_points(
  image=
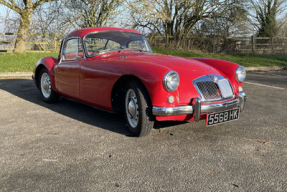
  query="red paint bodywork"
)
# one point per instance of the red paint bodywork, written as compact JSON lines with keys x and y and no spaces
{"x":91,"y":80}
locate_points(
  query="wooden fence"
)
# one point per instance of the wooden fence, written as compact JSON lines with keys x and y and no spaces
{"x":34,"y":42}
{"x":262,"y":45}
{"x":230,"y":45}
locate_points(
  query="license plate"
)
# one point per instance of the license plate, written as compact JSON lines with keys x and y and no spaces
{"x":222,"y":117}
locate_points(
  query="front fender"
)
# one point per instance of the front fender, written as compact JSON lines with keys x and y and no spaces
{"x":225,"y":67}
{"x":151,"y":76}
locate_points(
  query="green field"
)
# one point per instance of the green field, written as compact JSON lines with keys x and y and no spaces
{"x":14,"y":62}
{"x":25,"y":62}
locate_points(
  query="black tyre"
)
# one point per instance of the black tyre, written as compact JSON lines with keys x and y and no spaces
{"x":45,"y":87}
{"x":138,"y":109}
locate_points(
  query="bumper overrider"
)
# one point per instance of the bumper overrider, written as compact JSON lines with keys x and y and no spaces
{"x":197,"y":109}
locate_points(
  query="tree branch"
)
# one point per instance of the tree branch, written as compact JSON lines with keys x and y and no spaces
{"x":13,"y":6}
{"x":38,"y":3}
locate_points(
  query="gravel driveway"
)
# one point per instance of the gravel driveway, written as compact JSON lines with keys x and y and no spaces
{"x":69,"y":146}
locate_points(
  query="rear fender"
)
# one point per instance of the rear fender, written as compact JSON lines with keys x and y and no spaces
{"x":49,"y":63}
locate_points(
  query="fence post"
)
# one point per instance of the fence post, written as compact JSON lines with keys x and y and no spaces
{"x":253,"y":41}
{"x":167,"y":41}
{"x":272,"y":44}
{"x":283,"y":47}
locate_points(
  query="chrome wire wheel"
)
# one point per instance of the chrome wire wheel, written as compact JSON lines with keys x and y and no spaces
{"x":132,"y":108}
{"x":46,"y":85}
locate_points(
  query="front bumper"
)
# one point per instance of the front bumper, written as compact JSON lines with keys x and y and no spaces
{"x":197,"y":109}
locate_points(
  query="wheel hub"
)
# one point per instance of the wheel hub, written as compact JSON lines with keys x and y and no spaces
{"x":132,"y":108}
{"x":131,"y":105}
{"x":45,"y":85}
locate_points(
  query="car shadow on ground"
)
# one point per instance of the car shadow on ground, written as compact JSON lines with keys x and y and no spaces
{"x":26,"y":89}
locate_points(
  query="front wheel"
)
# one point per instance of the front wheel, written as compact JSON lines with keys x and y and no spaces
{"x":138,"y":112}
{"x":46,"y":90}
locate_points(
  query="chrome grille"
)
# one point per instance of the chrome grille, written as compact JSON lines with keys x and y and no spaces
{"x":225,"y":88}
{"x":209,"y":90}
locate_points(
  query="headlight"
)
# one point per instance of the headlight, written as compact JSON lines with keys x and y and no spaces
{"x":171,"y":81}
{"x":240,"y":74}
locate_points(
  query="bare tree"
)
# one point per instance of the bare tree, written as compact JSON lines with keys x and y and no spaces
{"x":233,"y":21}
{"x":283,"y":26}
{"x":175,"y":17}
{"x":266,"y":13}
{"x":47,"y":25}
{"x":10,"y":21}
{"x":90,"y":13}
{"x":25,"y":9}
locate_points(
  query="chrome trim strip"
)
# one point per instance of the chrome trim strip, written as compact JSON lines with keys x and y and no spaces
{"x":197,"y":109}
{"x":171,"y":111}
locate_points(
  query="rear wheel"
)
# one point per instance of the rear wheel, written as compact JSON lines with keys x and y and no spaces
{"x":46,"y":90}
{"x":138,"y":112}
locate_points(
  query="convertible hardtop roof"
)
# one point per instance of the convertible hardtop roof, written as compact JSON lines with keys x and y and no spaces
{"x":82,"y":32}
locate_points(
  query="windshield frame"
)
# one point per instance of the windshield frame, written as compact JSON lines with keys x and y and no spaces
{"x":91,"y":56}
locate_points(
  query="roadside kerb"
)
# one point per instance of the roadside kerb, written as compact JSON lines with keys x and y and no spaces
{"x":273,"y":68}
{"x":15,"y":74}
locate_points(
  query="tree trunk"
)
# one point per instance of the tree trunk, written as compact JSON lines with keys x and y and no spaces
{"x":23,"y":29}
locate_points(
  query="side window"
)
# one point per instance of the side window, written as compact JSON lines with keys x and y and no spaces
{"x":73,"y":50}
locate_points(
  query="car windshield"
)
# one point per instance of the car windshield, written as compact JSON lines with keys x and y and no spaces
{"x":103,"y":42}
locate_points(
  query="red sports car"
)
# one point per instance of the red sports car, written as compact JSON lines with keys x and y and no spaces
{"x":115,"y":70}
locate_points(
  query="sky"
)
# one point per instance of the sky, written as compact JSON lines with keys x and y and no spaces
{"x":3,"y":13}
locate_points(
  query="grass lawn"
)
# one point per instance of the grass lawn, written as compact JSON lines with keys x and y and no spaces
{"x":14,"y":62}
{"x":25,"y":62}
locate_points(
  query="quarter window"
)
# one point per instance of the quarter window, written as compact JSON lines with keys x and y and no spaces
{"x":137,"y":44}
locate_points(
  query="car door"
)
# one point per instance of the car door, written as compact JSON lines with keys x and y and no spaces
{"x":98,"y":74}
{"x":68,"y":70}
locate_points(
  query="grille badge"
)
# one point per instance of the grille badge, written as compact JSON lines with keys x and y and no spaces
{"x":214,"y":79}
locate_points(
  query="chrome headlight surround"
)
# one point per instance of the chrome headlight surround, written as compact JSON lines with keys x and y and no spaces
{"x":240,"y":74}
{"x":171,"y":81}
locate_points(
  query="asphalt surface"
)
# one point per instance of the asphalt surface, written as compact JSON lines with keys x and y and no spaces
{"x":69,"y":146}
